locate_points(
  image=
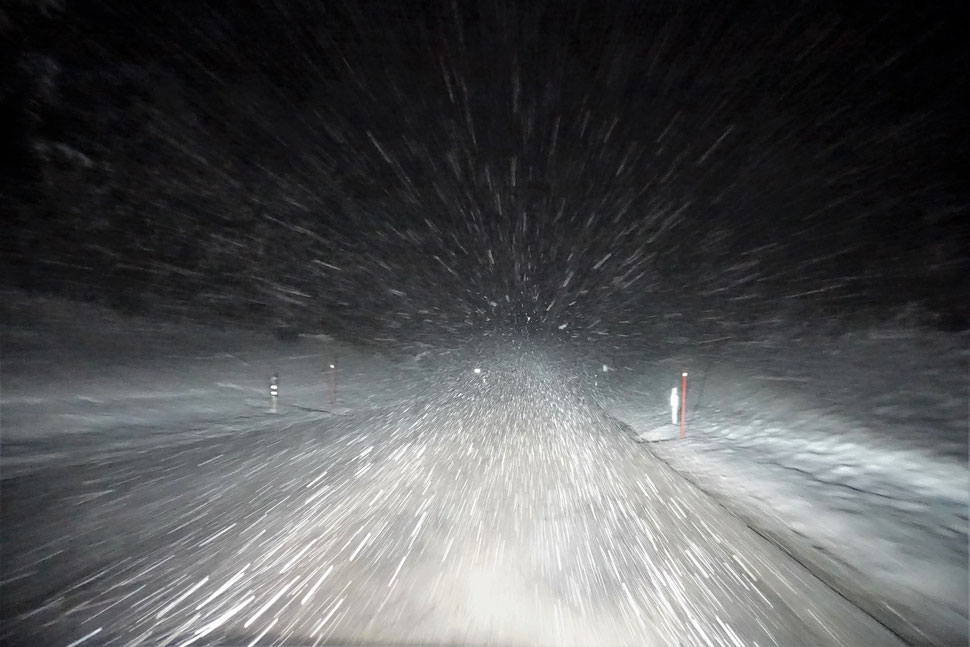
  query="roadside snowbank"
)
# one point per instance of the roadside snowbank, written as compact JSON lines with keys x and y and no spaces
{"x":850,"y":451}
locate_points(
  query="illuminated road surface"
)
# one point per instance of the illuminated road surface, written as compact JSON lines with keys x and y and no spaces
{"x":508,"y":511}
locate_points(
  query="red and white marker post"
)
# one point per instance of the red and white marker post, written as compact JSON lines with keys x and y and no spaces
{"x":683,"y":404}
{"x":333,"y":385}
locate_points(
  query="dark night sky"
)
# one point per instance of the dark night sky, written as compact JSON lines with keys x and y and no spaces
{"x":406,"y":169}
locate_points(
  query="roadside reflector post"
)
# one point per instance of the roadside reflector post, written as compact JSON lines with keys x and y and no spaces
{"x":674,"y":405}
{"x":683,"y":404}
{"x":333,"y":385}
{"x":605,"y":369}
{"x":274,"y":391}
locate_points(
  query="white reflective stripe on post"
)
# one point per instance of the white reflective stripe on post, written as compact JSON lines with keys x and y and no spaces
{"x":274,"y":391}
{"x":674,"y":404}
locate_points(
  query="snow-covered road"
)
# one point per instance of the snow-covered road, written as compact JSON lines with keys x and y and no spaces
{"x":142,"y":474}
{"x":503,"y":512}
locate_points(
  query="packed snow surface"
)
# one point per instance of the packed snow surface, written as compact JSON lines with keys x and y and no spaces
{"x":494,"y":498}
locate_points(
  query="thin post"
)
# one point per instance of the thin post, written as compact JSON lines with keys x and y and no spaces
{"x":333,"y":385}
{"x":274,"y":391}
{"x":683,"y":404}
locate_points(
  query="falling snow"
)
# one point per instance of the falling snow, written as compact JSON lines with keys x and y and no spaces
{"x":468,"y":240}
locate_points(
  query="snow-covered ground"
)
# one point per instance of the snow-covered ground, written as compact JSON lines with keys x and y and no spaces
{"x":850,"y":450}
{"x":500,"y":507}
{"x":78,"y":378}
